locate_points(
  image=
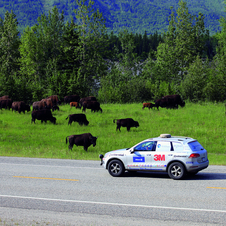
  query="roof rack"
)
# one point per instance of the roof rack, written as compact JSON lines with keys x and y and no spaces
{"x":165,"y":135}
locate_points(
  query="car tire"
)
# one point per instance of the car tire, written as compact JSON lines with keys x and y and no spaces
{"x":176,"y":171}
{"x":116,"y":168}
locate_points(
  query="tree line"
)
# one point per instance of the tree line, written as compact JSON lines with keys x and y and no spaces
{"x":80,"y":57}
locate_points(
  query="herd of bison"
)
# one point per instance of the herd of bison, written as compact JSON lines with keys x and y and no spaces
{"x":42,"y":110}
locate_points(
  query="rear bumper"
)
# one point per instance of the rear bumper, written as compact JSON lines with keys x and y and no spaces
{"x":198,"y":167}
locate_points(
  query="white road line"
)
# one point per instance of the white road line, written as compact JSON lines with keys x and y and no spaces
{"x":114,"y":204}
{"x":77,"y":167}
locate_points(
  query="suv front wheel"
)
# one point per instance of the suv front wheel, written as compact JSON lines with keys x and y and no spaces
{"x":116,"y":168}
{"x":176,"y":171}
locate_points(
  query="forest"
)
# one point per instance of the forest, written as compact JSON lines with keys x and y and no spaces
{"x":58,"y":57}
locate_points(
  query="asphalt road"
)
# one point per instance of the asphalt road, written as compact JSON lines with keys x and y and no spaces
{"x":72,"y":192}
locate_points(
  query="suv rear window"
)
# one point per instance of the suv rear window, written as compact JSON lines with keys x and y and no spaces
{"x":195,"y":146}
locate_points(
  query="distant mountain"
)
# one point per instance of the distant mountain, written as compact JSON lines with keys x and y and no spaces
{"x":135,"y":15}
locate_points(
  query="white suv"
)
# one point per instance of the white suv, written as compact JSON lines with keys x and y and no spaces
{"x":173,"y":154}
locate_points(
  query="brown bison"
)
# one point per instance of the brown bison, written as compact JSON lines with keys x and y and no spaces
{"x":6,"y":103}
{"x":148,"y":105}
{"x":93,"y":105}
{"x":20,"y":106}
{"x":48,"y":102}
{"x":172,"y":101}
{"x":160,"y":103}
{"x":43,"y":115}
{"x":75,"y":104}
{"x":90,"y":98}
{"x":71,"y":98}
{"x":54,"y":99}
{"x":85,"y":140}
{"x":127,"y":122}
{"x":4,"y":97}
{"x":39,"y":105}
{"x":80,"y":118}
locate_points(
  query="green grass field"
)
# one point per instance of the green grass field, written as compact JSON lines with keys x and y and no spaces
{"x":19,"y":137}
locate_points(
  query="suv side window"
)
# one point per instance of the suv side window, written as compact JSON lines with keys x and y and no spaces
{"x":177,"y":146}
{"x":146,"y":146}
{"x":164,"y":146}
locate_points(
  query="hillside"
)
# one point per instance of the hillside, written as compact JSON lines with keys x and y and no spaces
{"x":135,"y":15}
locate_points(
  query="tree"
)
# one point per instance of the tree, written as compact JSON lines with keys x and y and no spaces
{"x":9,"y":54}
{"x":40,"y":50}
{"x":183,"y":41}
{"x":217,"y":78}
{"x":193,"y":87}
{"x":91,"y":46}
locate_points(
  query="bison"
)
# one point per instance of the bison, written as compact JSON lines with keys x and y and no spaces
{"x":93,"y":105}
{"x":127,"y":122}
{"x":4,"y":97}
{"x":43,"y":115}
{"x":90,"y":98}
{"x":54,"y":99}
{"x":172,"y":101}
{"x":48,"y":103}
{"x":160,"y":103}
{"x":85,"y":140}
{"x":80,"y":118}
{"x":148,"y":105}
{"x":39,"y":105}
{"x":20,"y":106}
{"x":75,"y":104}
{"x":6,"y":103}
{"x":71,"y":98}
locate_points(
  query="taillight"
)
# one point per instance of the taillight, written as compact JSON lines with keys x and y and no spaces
{"x":194,"y":155}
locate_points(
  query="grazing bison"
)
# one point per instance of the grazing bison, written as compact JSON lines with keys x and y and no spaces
{"x":6,"y":103}
{"x":43,"y":115}
{"x":54,"y":99}
{"x":90,"y":98}
{"x":93,"y":105}
{"x":39,"y":105}
{"x":48,"y":103}
{"x":75,"y":104}
{"x":55,"y":107}
{"x":148,"y":105}
{"x":80,"y":118}
{"x":20,"y":106}
{"x":160,"y":103}
{"x":127,"y":122}
{"x":71,"y":98}
{"x":84,"y":140}
{"x":172,"y":101}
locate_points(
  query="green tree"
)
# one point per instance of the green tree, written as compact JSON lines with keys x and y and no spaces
{"x":9,"y":54}
{"x":193,"y":87}
{"x":183,"y":41}
{"x":217,"y":78}
{"x":91,"y":46}
{"x":41,"y":47}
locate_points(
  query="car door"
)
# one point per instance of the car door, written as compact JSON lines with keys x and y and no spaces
{"x":163,"y":154}
{"x":141,"y":156}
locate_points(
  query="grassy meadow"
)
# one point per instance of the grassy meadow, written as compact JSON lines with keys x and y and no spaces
{"x":19,"y":137}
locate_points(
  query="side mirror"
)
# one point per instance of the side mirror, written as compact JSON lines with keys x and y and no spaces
{"x":132,"y":151}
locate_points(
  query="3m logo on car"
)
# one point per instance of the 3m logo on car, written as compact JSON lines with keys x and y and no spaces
{"x":159,"y":157}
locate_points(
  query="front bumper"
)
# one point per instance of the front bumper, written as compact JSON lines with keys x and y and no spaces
{"x":101,"y":159}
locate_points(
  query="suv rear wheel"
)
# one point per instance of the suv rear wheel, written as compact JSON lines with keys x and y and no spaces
{"x":176,"y":171}
{"x":116,"y":168}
